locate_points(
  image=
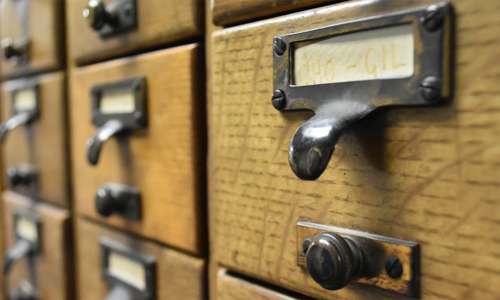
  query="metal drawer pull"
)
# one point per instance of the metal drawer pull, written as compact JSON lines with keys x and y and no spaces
{"x":344,"y":72}
{"x":110,"y":20}
{"x":120,"y":199}
{"x":28,"y":233}
{"x":25,"y":109}
{"x":116,"y":108}
{"x":94,"y":144}
{"x":15,"y":51}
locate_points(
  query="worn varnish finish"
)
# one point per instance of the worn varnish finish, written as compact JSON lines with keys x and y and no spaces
{"x":159,"y":22}
{"x":227,"y":12}
{"x":165,"y":160}
{"x":430,"y":175}
{"x":42,"y":143}
{"x":178,"y":275}
{"x":43,"y":25}
{"x":54,"y":267}
{"x":234,"y":288}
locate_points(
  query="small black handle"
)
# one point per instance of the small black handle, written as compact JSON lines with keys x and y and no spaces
{"x":120,"y":199}
{"x":95,"y":143}
{"x":18,"y":251}
{"x":18,"y":50}
{"x":18,"y":119}
{"x":97,"y":15}
{"x":23,"y":175}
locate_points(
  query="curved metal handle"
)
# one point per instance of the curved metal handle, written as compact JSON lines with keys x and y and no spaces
{"x":18,"y":251}
{"x":119,"y":293}
{"x":94,"y":144}
{"x":313,"y":144}
{"x":18,"y":119}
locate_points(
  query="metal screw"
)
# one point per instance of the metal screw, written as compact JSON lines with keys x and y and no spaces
{"x":305,"y":245}
{"x":430,"y":88}
{"x":278,"y":99}
{"x":433,"y":18}
{"x":279,"y":46}
{"x":127,"y":10}
{"x":393,"y":267}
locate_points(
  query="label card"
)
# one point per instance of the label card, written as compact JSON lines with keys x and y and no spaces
{"x":384,"y":53}
{"x":25,"y":99}
{"x":27,"y":229}
{"x":128,"y":270}
{"x":117,"y":101}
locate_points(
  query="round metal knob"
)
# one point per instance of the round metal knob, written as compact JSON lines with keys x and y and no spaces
{"x":96,"y":15}
{"x":20,"y":176}
{"x":104,"y":202}
{"x":333,"y":260}
{"x":8,"y":49}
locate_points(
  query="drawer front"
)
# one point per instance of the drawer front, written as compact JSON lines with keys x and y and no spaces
{"x":53,"y":266}
{"x":158,"y":22}
{"x":234,"y":288}
{"x":427,"y":175}
{"x":164,"y":160}
{"x":41,"y":23}
{"x":227,"y":12}
{"x":41,"y":143}
{"x":178,"y":276}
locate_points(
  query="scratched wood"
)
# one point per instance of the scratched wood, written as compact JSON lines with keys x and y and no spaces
{"x":429,"y":175}
{"x":178,"y":276}
{"x":41,"y":22}
{"x":233,"y":288}
{"x":44,"y":142}
{"x":54,"y":267}
{"x":227,"y":12}
{"x":158,"y":22}
{"x":165,"y":160}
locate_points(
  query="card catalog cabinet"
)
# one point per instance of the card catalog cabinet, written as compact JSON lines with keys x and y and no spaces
{"x":427,"y":175}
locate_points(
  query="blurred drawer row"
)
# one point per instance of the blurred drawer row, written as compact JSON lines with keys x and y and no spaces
{"x":151,"y":108}
{"x":32,"y":31}
{"x":416,"y":174}
{"x":40,"y":259}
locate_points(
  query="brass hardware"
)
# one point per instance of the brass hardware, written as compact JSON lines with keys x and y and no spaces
{"x":340,"y":97}
{"x":334,"y":256}
{"x":120,"y":199}
{"x":15,"y":51}
{"x":115,"y":120}
{"x":25,"y":109}
{"x":115,"y":18}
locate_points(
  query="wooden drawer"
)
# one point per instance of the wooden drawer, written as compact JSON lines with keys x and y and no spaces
{"x":428,"y":175}
{"x":164,"y":160}
{"x":158,"y":22}
{"x":43,"y":142}
{"x":40,"y":22}
{"x":226,"y":12}
{"x":178,"y":276}
{"x":233,"y":288}
{"x":54,"y":264}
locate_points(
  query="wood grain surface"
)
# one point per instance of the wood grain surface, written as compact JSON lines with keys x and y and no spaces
{"x":43,"y":25}
{"x":234,"y":288}
{"x":165,"y":161}
{"x":54,"y":266}
{"x":226,"y":12}
{"x":159,"y":22}
{"x":44,"y":142}
{"x":429,"y":175}
{"x":178,"y":275}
